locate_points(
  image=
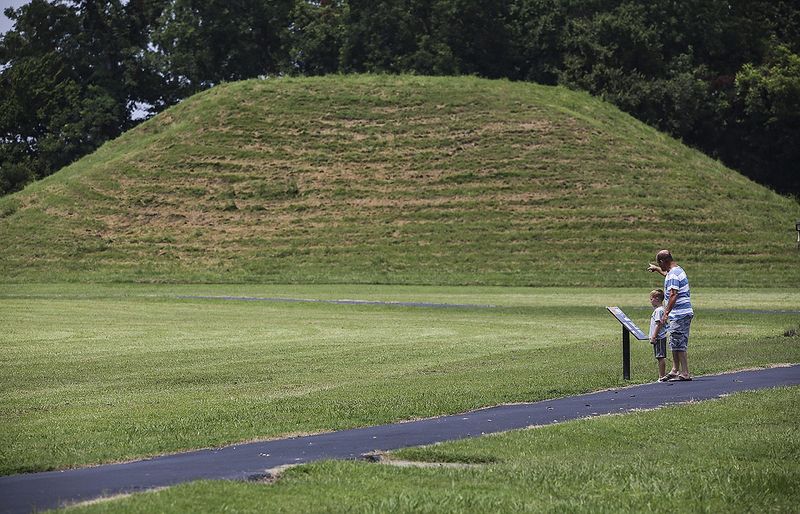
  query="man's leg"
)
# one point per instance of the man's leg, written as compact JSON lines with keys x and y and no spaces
{"x":684,"y":364}
{"x":676,"y":363}
{"x":686,"y":324}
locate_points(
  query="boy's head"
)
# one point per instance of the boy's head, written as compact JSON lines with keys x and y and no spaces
{"x":656,"y":297}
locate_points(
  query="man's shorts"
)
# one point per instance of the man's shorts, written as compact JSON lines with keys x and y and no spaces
{"x":679,"y":333}
{"x":660,"y":348}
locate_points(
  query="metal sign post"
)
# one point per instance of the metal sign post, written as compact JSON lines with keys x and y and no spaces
{"x":628,"y":328}
{"x":626,"y":353}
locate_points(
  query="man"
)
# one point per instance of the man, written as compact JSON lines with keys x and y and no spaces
{"x":678,"y":313}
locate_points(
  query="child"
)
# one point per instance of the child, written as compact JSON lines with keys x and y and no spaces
{"x":658,"y":333}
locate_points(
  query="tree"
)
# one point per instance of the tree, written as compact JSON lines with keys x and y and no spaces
{"x":767,"y":121}
{"x":315,"y":37}
{"x":200,"y":43}
{"x":477,"y":35}
{"x":72,"y":74}
{"x":381,"y":35}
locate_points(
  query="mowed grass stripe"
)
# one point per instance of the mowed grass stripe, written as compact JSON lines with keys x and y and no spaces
{"x":341,"y":302}
{"x":629,"y":298}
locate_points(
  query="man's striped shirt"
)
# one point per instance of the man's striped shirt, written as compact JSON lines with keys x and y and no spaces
{"x":676,"y":282}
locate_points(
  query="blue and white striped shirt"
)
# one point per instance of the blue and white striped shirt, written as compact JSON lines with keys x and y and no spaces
{"x":677,"y":282}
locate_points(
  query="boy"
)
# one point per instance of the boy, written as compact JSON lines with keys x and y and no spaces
{"x":658,"y":333}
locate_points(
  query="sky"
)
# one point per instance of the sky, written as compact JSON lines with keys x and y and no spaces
{"x":5,"y":23}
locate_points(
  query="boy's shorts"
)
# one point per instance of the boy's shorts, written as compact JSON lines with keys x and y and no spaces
{"x":679,"y":333}
{"x":660,"y":348}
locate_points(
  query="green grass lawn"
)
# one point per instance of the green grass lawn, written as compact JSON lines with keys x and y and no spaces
{"x":736,"y":454}
{"x":105,"y":373}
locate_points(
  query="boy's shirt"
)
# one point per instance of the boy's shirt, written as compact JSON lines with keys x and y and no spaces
{"x":658,"y":312}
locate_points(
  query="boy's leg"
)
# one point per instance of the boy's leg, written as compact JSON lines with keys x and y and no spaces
{"x":660,"y":353}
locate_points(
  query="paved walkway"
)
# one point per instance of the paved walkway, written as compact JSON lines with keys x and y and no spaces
{"x":38,"y":491}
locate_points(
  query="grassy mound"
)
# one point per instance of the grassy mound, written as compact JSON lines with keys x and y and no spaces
{"x":366,"y":179}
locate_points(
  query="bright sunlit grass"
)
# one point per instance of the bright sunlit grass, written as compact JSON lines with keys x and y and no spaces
{"x":98,"y":374}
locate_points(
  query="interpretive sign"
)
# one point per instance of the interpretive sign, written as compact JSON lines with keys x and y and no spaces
{"x":628,"y":328}
{"x":627,"y":323}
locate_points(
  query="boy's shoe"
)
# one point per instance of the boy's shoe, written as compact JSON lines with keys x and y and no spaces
{"x":665,"y":378}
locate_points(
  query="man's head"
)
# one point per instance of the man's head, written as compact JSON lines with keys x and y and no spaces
{"x":664,"y":259}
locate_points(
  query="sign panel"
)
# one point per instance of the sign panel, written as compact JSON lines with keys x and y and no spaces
{"x":627,"y":323}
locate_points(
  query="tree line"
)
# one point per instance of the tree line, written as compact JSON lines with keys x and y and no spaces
{"x":723,"y":76}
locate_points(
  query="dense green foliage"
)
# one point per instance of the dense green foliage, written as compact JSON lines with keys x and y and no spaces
{"x":396,"y":179}
{"x":72,"y":75}
{"x":718,"y":74}
{"x":104,"y":373}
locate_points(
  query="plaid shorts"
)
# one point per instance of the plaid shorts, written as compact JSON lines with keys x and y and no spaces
{"x":679,"y":333}
{"x":660,"y":348}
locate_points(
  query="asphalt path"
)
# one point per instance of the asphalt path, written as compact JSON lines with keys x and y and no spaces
{"x":39,"y":491}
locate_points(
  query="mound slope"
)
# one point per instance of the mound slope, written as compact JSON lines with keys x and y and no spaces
{"x":396,"y":180}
